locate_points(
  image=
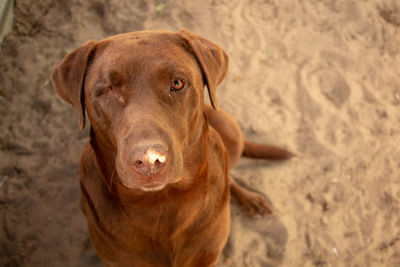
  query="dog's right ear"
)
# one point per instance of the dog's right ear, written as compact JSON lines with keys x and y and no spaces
{"x":69,"y":77}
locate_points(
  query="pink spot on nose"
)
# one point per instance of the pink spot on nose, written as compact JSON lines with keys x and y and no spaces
{"x":154,"y":156}
{"x":148,"y":160}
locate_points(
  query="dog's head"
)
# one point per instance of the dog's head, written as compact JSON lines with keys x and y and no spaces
{"x":143,"y":92}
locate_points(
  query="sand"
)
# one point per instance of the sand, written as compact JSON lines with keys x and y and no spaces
{"x":321,"y":78}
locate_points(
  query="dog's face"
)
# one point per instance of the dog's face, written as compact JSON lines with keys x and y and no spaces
{"x":143,"y":93}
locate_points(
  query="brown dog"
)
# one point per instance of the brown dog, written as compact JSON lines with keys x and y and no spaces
{"x":154,"y":175}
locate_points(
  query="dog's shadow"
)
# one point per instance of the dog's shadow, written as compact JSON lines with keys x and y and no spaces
{"x":254,"y":242}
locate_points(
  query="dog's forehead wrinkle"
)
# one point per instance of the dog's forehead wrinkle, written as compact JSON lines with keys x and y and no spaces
{"x":137,"y":55}
{"x":141,"y":45}
{"x":151,"y":46}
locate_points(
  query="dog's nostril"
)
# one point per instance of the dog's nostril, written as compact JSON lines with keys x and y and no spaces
{"x":139,"y":164}
{"x":157,"y":162}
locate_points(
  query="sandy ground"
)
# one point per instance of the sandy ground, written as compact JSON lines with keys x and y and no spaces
{"x":321,"y":78}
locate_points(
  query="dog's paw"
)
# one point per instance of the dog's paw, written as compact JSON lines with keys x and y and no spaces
{"x":253,"y":204}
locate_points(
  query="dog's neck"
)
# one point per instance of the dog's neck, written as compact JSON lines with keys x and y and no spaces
{"x":194,"y":160}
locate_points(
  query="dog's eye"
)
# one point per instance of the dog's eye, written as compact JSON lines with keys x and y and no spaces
{"x":177,"y":85}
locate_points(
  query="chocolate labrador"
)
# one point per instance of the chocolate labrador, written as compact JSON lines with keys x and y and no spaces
{"x":154,"y":175}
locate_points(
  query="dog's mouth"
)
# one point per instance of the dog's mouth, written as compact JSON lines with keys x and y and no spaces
{"x":152,"y":187}
{"x":144,"y":183}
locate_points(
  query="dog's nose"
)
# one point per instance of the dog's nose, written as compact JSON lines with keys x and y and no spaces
{"x":148,"y":160}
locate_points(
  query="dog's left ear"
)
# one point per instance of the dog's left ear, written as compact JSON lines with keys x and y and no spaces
{"x":213,"y":60}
